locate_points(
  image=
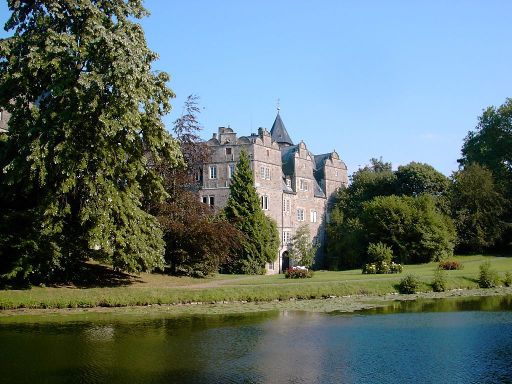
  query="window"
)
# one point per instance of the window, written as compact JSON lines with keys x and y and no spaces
{"x":286,"y":206}
{"x":288,"y":182}
{"x":210,"y":200}
{"x":213,"y":171}
{"x":303,"y":185}
{"x":313,"y":216}
{"x":265,"y":172}
{"x":197,"y":175}
{"x":286,"y":237}
{"x":228,"y":151}
{"x":337,"y":173}
{"x":231,"y":170}
{"x":300,"y":214}
{"x":264,"y":202}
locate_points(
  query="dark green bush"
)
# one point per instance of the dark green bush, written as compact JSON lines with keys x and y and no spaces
{"x":439,"y":282}
{"x":488,"y":278}
{"x":409,"y":284}
{"x":507,"y":280}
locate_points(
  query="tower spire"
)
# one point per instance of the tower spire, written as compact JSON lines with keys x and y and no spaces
{"x":278,"y":106}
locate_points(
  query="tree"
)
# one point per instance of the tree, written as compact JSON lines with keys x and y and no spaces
{"x":261,"y":237}
{"x":195,"y":238}
{"x":415,"y":179}
{"x":301,"y":249}
{"x":477,"y":208}
{"x":86,"y":109}
{"x":490,"y":144}
{"x":412,"y":226}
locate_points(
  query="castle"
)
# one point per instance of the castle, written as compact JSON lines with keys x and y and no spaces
{"x":295,"y":186}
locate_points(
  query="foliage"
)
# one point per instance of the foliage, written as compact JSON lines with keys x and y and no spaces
{"x":450,"y":265}
{"x":381,"y":257}
{"x":261,"y":237}
{"x":195,"y":238}
{"x":301,"y":250}
{"x":85,"y":108}
{"x":406,"y":209}
{"x":413,"y":227}
{"x":490,"y":145}
{"x":487,"y":278}
{"x":507,"y":280}
{"x":380,"y":253}
{"x":298,"y":273}
{"x":409,"y":284}
{"x":478,"y":207}
{"x":382,"y":268}
{"x":439,"y":283}
{"x":415,"y":179}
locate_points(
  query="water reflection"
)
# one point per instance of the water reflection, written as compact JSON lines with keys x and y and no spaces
{"x":444,"y":345}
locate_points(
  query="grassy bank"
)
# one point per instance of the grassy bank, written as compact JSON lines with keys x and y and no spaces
{"x":146,"y":289}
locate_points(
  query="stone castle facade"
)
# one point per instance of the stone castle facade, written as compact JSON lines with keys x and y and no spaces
{"x":295,"y":186}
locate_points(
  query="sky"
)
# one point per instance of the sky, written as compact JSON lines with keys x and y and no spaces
{"x":401,"y":80}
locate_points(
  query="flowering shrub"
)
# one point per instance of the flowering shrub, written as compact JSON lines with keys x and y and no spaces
{"x":382,"y":268}
{"x":450,"y":264}
{"x":298,"y":273}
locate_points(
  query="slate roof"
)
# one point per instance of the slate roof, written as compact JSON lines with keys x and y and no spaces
{"x":279,"y":133}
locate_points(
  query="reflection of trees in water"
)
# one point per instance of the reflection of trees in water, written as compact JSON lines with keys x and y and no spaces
{"x":484,"y":303}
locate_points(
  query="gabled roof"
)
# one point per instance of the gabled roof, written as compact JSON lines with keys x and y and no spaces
{"x":279,"y":133}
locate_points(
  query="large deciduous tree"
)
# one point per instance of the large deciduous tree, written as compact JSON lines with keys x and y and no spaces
{"x":261,"y":237}
{"x":86,"y":111}
{"x":478,"y":206}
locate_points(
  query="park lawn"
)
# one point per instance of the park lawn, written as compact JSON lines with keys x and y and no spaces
{"x":150,"y":289}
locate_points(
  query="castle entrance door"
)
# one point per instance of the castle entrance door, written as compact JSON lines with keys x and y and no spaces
{"x":285,"y":261}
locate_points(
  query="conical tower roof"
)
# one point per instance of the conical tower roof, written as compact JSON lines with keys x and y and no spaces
{"x":279,"y":133}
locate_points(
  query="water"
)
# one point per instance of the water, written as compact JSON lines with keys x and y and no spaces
{"x":472,"y":344}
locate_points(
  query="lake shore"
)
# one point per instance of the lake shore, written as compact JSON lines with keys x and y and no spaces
{"x":345,"y":304}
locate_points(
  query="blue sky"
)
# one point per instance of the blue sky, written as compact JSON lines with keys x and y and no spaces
{"x":405,"y":80}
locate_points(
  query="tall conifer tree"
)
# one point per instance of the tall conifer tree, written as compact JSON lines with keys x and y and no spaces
{"x":243,"y":209}
{"x":86,"y":113}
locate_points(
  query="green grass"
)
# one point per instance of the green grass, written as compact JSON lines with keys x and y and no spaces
{"x":148,"y":289}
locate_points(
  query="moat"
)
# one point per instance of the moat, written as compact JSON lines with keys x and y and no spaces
{"x":450,"y":341}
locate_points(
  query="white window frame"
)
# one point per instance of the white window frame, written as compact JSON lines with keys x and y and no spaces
{"x":231,"y":170}
{"x":300,"y":214}
{"x":268,"y":174}
{"x":287,"y":235}
{"x":286,"y":206}
{"x":313,"y":215}
{"x":265,"y":202}
{"x":213,"y":171}
{"x":303,"y":184}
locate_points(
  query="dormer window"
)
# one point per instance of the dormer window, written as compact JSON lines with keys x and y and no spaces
{"x":228,"y":151}
{"x":288,"y":182}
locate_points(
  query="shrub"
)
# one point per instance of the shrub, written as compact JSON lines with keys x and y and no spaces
{"x":381,"y":268}
{"x":298,"y":273}
{"x":450,"y":264}
{"x":409,"y":284}
{"x":488,"y":278}
{"x":507,"y":280}
{"x":439,"y":282}
{"x":379,"y":253}
{"x":395,"y":268}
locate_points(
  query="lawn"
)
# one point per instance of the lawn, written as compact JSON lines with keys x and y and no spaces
{"x":148,"y":289}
